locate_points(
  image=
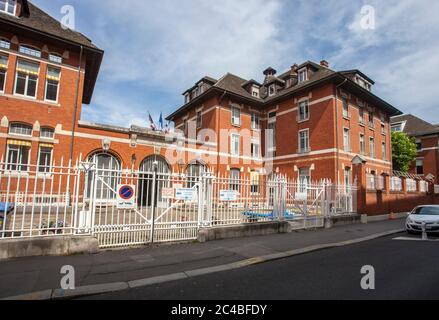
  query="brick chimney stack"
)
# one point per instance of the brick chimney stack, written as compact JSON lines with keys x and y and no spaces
{"x":324,"y":63}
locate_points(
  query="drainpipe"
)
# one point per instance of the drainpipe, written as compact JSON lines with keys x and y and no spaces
{"x":336,"y":128}
{"x":78,"y":80}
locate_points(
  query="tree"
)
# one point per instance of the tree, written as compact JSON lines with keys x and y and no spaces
{"x":404,"y":151}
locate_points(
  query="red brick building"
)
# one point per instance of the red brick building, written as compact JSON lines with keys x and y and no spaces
{"x":308,"y":123}
{"x":426,"y":136}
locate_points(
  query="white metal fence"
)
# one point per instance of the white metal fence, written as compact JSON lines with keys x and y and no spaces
{"x":83,"y":199}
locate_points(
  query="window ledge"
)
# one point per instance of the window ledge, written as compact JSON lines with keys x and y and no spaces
{"x":18,"y":97}
{"x":304,"y":120}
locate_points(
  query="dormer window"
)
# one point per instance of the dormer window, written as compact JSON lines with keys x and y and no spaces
{"x":303,"y":75}
{"x":187,"y":98}
{"x":363,"y":83}
{"x":8,"y":6}
{"x":255,"y":91}
{"x":30,"y":51}
{"x":272,"y":90}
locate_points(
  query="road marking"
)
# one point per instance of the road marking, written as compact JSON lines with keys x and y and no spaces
{"x":414,"y":239}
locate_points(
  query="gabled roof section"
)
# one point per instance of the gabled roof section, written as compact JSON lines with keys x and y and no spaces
{"x":35,"y":22}
{"x":234,"y":84}
{"x":415,"y":126}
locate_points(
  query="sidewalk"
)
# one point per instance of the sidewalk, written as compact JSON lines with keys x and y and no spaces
{"x":27,"y":275}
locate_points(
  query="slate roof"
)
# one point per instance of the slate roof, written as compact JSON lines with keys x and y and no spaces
{"x":38,"y":20}
{"x":34,"y":22}
{"x":415,"y":126}
{"x":233,"y":84}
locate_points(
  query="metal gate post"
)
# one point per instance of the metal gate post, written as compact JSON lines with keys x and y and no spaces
{"x":201,"y":190}
{"x":153,"y":197}
{"x":209,"y":204}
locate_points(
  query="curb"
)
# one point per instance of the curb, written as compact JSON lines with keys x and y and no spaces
{"x":58,"y":294}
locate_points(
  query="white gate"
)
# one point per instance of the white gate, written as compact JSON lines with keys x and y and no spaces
{"x":82,"y":199}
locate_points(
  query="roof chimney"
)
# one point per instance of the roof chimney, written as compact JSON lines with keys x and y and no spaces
{"x":294,"y":68}
{"x":324,"y":63}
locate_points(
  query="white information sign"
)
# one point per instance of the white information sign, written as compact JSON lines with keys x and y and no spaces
{"x":185,"y":194}
{"x":228,"y":195}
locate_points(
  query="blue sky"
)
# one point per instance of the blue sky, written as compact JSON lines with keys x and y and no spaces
{"x":155,"y":50}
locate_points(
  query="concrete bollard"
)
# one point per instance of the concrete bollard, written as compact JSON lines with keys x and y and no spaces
{"x":424,"y":232}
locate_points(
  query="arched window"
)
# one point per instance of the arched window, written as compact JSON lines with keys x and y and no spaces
{"x":150,"y":190}
{"x":47,"y":133}
{"x":54,"y":57}
{"x":21,"y":129}
{"x":107,"y":176}
{"x":5,"y":44}
{"x":30,"y":51}
{"x":194,"y":171}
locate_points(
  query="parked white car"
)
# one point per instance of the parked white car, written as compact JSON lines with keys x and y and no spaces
{"x":423,"y":214}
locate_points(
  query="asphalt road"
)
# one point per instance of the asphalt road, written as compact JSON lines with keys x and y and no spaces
{"x":404,"y":270}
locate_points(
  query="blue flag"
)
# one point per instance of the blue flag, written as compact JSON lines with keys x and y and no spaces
{"x":161,"y":124}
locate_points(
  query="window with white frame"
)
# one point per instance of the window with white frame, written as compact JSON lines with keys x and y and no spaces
{"x":304,"y":141}
{"x":384,"y":150}
{"x":304,"y":179}
{"x":255,"y":121}
{"x":255,"y":91}
{"x":254,"y":182}
{"x":395,"y":184}
{"x":199,"y":119}
{"x":370,"y":181}
{"x":371,"y":120}
{"x":347,"y":140}
{"x":185,"y":127}
{"x":372,"y":148}
{"x":3,"y":70}
{"x":5,"y":44}
{"x":45,"y":159}
{"x":235,"y":144}
{"x":361,"y":117}
{"x":8,"y":6}
{"x":272,"y":90}
{"x":30,"y":51}
{"x":234,"y":179}
{"x":397,"y":127}
{"x":304,"y":110}
{"x":187,"y":98}
{"x":380,"y":182}
{"x":52,"y":83}
{"x":347,"y":176}
{"x":55,"y":58}
{"x":236,"y":116}
{"x":303,"y":75}
{"x":362,"y":145}
{"x":383,"y":129}
{"x":272,"y":134}
{"x":18,"y":156}
{"x":26,"y":81}
{"x":411,"y":185}
{"x":345,"y":107}
{"x":420,"y":167}
{"x":20,"y":129}
{"x":418,"y":144}
{"x":47,"y":133}
{"x":255,"y":148}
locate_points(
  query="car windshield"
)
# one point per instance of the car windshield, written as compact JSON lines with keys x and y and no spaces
{"x":427,"y":211}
